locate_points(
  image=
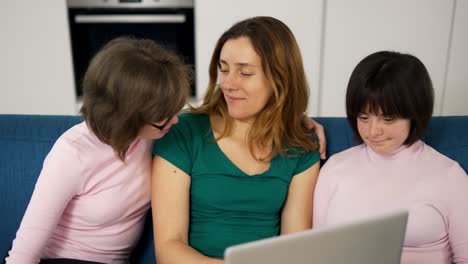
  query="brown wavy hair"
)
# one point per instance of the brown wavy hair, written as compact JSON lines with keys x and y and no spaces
{"x":279,"y":124}
{"x":129,"y":83}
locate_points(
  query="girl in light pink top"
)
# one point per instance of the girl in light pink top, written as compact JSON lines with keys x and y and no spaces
{"x":91,"y":198}
{"x":389,"y":104}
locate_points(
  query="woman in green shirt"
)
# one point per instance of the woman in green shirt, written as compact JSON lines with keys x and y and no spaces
{"x":241,"y":167}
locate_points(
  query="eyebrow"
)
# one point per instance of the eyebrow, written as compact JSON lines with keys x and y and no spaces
{"x":377,"y":114}
{"x":243,"y":64}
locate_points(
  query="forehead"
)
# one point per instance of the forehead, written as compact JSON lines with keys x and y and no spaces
{"x":239,"y":51}
{"x":377,"y":107}
{"x":372,"y":109}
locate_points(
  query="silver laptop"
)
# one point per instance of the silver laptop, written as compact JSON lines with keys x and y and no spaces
{"x":368,"y":241}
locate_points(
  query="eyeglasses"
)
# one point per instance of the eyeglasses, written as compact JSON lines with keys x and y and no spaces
{"x":161,"y":127}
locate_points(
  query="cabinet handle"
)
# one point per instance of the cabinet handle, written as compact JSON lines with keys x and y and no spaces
{"x":96,"y":19}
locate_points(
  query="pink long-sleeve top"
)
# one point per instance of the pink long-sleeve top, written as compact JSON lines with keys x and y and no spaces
{"x":87,"y":203}
{"x":358,"y":183}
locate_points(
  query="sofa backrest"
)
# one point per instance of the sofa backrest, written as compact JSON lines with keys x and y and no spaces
{"x":446,"y":134}
{"x":25,"y":140}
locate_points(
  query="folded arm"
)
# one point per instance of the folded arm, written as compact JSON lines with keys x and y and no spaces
{"x":58,"y":182}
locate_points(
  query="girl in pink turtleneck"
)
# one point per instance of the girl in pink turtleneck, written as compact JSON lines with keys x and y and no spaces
{"x":91,"y":198}
{"x":389,"y":104}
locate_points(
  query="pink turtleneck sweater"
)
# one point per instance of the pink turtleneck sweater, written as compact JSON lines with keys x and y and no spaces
{"x":358,"y":183}
{"x":87,"y":203}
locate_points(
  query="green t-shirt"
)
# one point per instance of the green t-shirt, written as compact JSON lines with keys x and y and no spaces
{"x":227,"y":206}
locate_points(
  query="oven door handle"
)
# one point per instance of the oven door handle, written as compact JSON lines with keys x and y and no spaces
{"x":134,"y":19}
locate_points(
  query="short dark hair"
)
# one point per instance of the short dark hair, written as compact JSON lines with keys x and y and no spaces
{"x":395,"y":83}
{"x":129,"y":83}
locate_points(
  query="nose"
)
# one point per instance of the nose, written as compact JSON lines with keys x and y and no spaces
{"x":174,"y":120}
{"x":227,"y":81}
{"x":375,"y":128}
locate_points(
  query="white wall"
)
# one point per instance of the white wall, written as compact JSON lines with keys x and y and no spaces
{"x":35,"y":58}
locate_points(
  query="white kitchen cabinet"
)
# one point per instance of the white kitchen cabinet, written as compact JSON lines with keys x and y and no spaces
{"x":355,"y":29}
{"x":456,"y":92}
{"x":334,"y":35}
{"x":35,"y":66}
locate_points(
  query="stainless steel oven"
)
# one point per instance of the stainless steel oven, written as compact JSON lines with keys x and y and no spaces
{"x":94,"y":22}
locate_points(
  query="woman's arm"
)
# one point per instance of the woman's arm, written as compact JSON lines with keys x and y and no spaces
{"x":297,"y":212}
{"x":170,"y":200}
{"x":58,"y":182}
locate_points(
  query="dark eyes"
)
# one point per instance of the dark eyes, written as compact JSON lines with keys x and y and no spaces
{"x":387,"y":119}
{"x":363,"y":117}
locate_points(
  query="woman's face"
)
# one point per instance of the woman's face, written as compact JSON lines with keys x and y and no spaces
{"x":383,"y":134}
{"x":157,"y":130}
{"x":242,"y":79}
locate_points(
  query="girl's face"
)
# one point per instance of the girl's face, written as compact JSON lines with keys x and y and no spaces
{"x":242,"y":79}
{"x":383,"y":134}
{"x":157,"y":130}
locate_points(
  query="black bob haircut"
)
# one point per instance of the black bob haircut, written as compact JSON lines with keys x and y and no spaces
{"x":395,"y":84}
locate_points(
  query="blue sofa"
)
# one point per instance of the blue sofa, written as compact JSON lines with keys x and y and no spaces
{"x":26,"y":139}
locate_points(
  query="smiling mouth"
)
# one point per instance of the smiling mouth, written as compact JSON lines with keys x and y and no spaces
{"x":233,"y":99}
{"x":377,"y":142}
